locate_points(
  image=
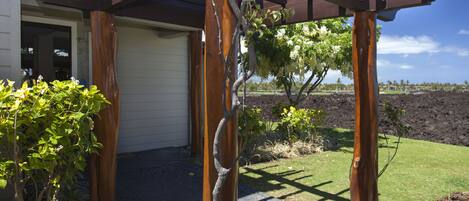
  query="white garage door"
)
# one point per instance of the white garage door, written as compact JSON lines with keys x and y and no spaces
{"x":153,"y":82}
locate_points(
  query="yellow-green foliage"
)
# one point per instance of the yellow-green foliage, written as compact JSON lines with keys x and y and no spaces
{"x":46,"y":133}
{"x":250,"y":124}
{"x":278,"y":109}
{"x":298,"y":124}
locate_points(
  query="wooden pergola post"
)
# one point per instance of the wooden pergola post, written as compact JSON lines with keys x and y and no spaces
{"x":103,"y":165}
{"x":213,"y":105}
{"x":195,"y":43}
{"x":364,"y":181}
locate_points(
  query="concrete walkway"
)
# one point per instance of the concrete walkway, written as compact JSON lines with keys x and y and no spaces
{"x":166,"y":175}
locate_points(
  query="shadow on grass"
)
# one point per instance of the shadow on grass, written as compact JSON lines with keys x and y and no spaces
{"x":266,"y":180}
{"x":342,"y":140}
{"x":338,"y":138}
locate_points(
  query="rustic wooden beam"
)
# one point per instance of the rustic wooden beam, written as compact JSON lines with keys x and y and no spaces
{"x":103,"y":165}
{"x":195,"y":40}
{"x":387,"y":15}
{"x":117,"y":4}
{"x":307,"y":10}
{"x":213,"y":106}
{"x":279,"y":2}
{"x":352,"y":4}
{"x":363,"y":181}
{"x":168,"y":11}
{"x":87,"y":5}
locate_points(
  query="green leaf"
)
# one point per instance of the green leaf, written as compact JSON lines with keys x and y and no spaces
{"x":3,"y":183}
{"x":77,"y":115}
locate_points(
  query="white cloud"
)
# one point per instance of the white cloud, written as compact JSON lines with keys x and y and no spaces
{"x":463,"y":32}
{"x":333,"y":75}
{"x":381,"y":63}
{"x":406,"y":66}
{"x":407,"y":45}
{"x":456,"y":50}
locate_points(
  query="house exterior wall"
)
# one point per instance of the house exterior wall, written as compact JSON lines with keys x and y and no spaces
{"x":9,"y":39}
{"x":9,"y":53}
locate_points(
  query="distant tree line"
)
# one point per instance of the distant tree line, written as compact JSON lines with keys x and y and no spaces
{"x":402,"y":86}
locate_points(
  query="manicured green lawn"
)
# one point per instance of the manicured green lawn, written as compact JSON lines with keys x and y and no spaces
{"x":421,"y":171}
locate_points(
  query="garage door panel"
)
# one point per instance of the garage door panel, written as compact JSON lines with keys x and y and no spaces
{"x":150,"y":75}
{"x":153,"y":81}
{"x":149,"y":145}
{"x":156,"y":106}
{"x":147,"y":57}
{"x":167,"y":90}
{"x":161,"y":137}
{"x":144,"y":115}
{"x":170,"y":53}
{"x":168,"y":65}
{"x":145,"y":134}
{"x":154,"y":122}
{"x":154,"y":98}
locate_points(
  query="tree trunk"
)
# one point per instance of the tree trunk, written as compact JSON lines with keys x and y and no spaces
{"x":103,"y":165}
{"x":365,"y":156}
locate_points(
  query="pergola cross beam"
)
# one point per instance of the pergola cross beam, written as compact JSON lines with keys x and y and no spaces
{"x":352,"y":4}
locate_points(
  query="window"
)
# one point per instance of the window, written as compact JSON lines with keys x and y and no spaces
{"x":46,"y":51}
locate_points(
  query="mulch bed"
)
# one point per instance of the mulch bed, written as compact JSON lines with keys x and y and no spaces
{"x":434,"y":116}
{"x":457,"y":197}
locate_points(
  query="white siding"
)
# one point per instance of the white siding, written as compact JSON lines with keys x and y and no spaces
{"x":9,"y":31}
{"x":153,"y":81}
{"x":10,"y":39}
{"x":9,"y":53}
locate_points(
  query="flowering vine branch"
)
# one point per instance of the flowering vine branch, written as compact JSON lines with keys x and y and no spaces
{"x":250,"y":20}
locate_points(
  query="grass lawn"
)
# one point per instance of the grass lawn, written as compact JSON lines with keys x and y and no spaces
{"x":421,"y":171}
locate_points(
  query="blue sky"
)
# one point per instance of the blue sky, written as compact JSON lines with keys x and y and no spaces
{"x":425,"y":44}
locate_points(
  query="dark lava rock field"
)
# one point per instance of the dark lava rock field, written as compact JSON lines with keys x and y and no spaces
{"x":434,"y":116}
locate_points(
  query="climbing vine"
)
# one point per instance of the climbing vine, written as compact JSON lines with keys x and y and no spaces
{"x":394,"y":116}
{"x":251,"y":21}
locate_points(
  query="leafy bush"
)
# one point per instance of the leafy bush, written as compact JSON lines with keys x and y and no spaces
{"x":298,"y":124}
{"x":250,"y":125}
{"x":45,"y":135}
{"x":278,"y":109}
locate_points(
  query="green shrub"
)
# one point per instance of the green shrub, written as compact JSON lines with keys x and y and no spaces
{"x":278,"y":109}
{"x":250,"y":125}
{"x":298,"y":124}
{"x":46,"y":135}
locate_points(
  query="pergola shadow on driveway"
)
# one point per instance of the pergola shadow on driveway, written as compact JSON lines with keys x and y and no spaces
{"x":169,"y":174}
